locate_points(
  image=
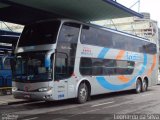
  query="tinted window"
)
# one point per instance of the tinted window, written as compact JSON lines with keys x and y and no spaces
{"x":150,"y":48}
{"x":67,"y":43}
{"x":39,"y":34}
{"x":109,"y":66}
{"x":86,"y":66}
{"x":96,"y":37}
{"x":69,"y":33}
{"x":104,"y":38}
{"x":96,"y":66}
{"x":124,"y":67}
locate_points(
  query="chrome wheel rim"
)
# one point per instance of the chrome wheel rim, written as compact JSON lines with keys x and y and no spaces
{"x":83,"y":93}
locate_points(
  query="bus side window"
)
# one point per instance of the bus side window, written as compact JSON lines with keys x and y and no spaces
{"x":109,"y":66}
{"x":86,"y":66}
{"x":67,"y":43}
{"x":97,"y":67}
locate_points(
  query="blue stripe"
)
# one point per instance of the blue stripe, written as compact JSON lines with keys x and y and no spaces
{"x":143,"y":65}
{"x":105,"y":84}
{"x":103,"y":53}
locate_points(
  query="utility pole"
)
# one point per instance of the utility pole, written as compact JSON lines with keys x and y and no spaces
{"x":139,"y":5}
{"x":137,"y":2}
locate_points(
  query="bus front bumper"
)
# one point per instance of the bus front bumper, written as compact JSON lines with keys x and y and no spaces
{"x":46,"y":96}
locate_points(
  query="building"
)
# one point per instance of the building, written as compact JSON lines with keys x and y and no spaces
{"x":145,"y":27}
{"x":11,"y":27}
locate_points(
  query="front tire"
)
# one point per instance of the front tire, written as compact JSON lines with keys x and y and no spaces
{"x":82,"y":93}
{"x":138,"y":86}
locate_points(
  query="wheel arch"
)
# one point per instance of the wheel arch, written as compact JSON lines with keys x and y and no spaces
{"x":138,"y":78}
{"x":83,"y":81}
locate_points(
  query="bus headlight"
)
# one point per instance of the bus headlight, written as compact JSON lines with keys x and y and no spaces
{"x":14,"y":89}
{"x":44,"y":89}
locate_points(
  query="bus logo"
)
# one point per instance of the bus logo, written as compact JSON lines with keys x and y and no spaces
{"x":132,"y":56}
{"x":87,"y":51}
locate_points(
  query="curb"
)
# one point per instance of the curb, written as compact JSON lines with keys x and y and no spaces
{"x":3,"y":104}
{"x":18,"y":102}
{"x":14,"y":102}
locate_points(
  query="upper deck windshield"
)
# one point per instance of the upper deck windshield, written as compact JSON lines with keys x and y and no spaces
{"x":39,"y":34}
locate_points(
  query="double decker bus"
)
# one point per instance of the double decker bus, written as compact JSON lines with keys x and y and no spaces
{"x":61,"y":59}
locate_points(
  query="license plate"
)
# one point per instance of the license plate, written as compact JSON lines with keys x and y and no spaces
{"x":27,"y":96}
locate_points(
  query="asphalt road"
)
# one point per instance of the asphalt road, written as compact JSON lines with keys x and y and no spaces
{"x":119,"y":106}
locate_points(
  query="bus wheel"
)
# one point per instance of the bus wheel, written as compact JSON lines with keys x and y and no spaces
{"x":144,"y":86}
{"x":138,"y":86}
{"x":82,"y":93}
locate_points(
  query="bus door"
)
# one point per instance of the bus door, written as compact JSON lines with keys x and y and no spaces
{"x":61,"y":75}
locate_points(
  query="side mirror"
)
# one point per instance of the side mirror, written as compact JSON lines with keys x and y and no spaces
{"x":48,"y":59}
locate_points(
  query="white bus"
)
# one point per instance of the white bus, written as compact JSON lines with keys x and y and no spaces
{"x":62,"y":59}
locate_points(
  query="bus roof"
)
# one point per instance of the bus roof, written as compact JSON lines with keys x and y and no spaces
{"x":27,"y":11}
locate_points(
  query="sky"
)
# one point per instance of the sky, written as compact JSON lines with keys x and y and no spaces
{"x":151,"y":6}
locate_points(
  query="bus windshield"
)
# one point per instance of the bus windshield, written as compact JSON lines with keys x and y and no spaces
{"x":39,"y":34}
{"x":31,"y":67}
